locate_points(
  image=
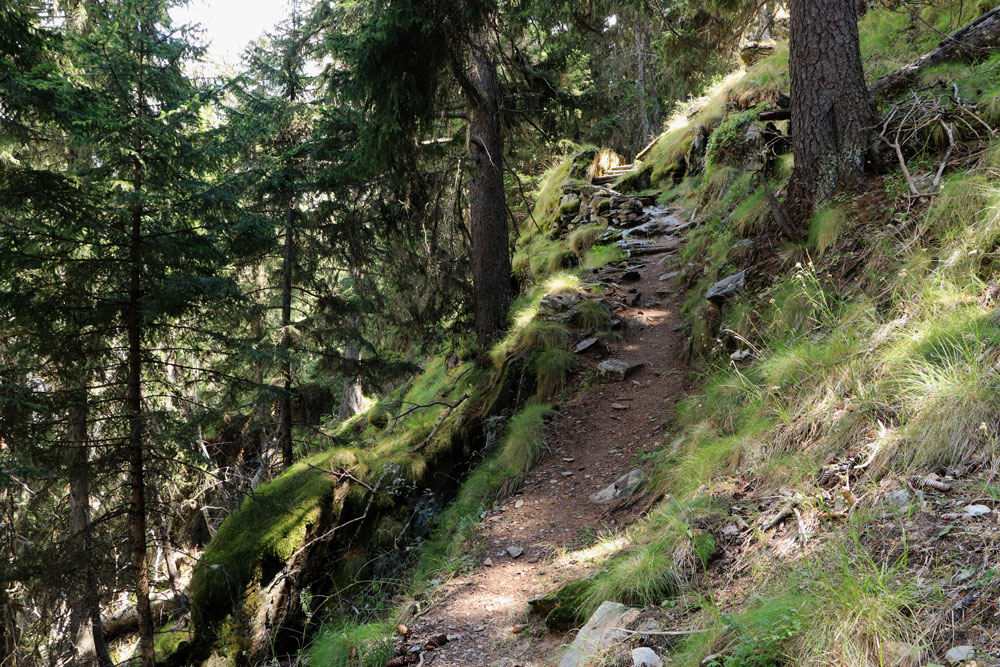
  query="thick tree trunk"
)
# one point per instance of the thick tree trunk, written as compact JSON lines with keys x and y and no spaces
{"x":833,"y":116}
{"x":85,"y":615}
{"x":285,"y":412}
{"x":136,"y":463}
{"x":487,"y":205}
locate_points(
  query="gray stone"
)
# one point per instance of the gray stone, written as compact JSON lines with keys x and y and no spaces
{"x":977,"y":510}
{"x":645,"y":657}
{"x":896,"y":500}
{"x":671,"y":275}
{"x":734,"y":284}
{"x":616,"y":370}
{"x":586,"y":345}
{"x":959,"y":654}
{"x":631,"y":276}
{"x":623,"y":487}
{"x":602,"y":630}
{"x":514,"y":552}
{"x":557,"y":303}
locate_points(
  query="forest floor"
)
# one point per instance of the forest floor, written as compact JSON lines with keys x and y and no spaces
{"x":600,"y":433}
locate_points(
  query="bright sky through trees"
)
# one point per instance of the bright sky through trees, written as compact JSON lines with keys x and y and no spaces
{"x":229,"y":25}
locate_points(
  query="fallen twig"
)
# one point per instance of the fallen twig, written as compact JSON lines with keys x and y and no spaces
{"x":444,"y":415}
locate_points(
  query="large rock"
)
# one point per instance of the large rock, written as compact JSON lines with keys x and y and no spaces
{"x":616,"y":370}
{"x":725,"y":288}
{"x":623,"y":487}
{"x":604,"y":629}
{"x":645,"y":657}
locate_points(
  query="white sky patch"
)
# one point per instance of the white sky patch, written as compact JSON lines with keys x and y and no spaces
{"x":229,"y":25}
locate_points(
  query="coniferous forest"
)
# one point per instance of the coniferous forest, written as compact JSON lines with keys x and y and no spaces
{"x":480,"y":333}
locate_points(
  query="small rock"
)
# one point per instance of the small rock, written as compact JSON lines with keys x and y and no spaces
{"x":896,"y":500}
{"x":488,"y":562}
{"x":622,"y":487}
{"x":727,"y":287}
{"x":634,"y":299}
{"x":709,"y":659}
{"x":518,"y":503}
{"x":586,"y":345}
{"x":618,"y":406}
{"x":566,"y":473}
{"x":668,"y":276}
{"x":740,"y":355}
{"x":977,"y":510}
{"x":616,"y":370}
{"x":730,"y":531}
{"x":631,"y":276}
{"x":514,"y":552}
{"x":568,"y":459}
{"x":959,"y":654}
{"x":645,"y":657}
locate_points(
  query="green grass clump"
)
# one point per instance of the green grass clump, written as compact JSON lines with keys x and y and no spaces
{"x":582,"y":238}
{"x":859,"y":609}
{"x":601,"y":255}
{"x":825,"y":226}
{"x":552,"y":366}
{"x":591,"y":314}
{"x":524,"y":440}
{"x":350,"y":645}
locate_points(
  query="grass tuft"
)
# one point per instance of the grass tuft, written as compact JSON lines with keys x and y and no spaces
{"x":552,"y":366}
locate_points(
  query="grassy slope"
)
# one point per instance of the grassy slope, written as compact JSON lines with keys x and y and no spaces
{"x":875,"y":337}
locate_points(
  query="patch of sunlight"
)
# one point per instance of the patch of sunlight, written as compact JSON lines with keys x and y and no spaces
{"x":524,"y":316}
{"x":562,"y":283}
{"x":595,"y":553}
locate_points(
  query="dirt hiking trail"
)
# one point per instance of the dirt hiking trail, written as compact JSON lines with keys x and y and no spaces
{"x":595,"y":437}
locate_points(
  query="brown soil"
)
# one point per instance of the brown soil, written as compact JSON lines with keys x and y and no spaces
{"x":552,"y":518}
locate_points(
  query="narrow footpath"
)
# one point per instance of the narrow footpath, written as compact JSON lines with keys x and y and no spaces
{"x":550,"y":532}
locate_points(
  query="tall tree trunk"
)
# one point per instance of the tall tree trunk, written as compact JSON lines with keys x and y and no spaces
{"x":487,"y":205}
{"x":136,"y":463}
{"x":645,"y":126}
{"x":285,"y":413}
{"x":765,"y":17}
{"x":833,"y":116}
{"x":85,"y":614}
{"x":351,"y":399}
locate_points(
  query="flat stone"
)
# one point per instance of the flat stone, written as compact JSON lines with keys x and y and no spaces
{"x":631,"y":276}
{"x":734,"y":284}
{"x":619,"y":406}
{"x":488,"y":562}
{"x":977,"y":510}
{"x":623,"y":487}
{"x":601,"y":631}
{"x":645,"y":657}
{"x":586,"y":345}
{"x":956,"y":655}
{"x":616,"y":370}
{"x":669,"y":276}
{"x":514,"y":552}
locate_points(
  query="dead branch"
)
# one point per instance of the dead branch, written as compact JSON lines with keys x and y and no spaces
{"x":444,"y":415}
{"x":975,"y":40}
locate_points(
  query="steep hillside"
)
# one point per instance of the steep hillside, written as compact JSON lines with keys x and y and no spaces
{"x":816,"y":424}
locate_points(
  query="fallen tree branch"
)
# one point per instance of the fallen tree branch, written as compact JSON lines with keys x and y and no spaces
{"x":444,"y":415}
{"x":975,"y":40}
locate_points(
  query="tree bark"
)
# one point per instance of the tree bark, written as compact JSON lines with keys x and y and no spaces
{"x":976,"y":40}
{"x":85,"y":615}
{"x":285,"y":412}
{"x":765,"y":17}
{"x":487,"y":205}
{"x":833,"y":117}
{"x":136,"y":463}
